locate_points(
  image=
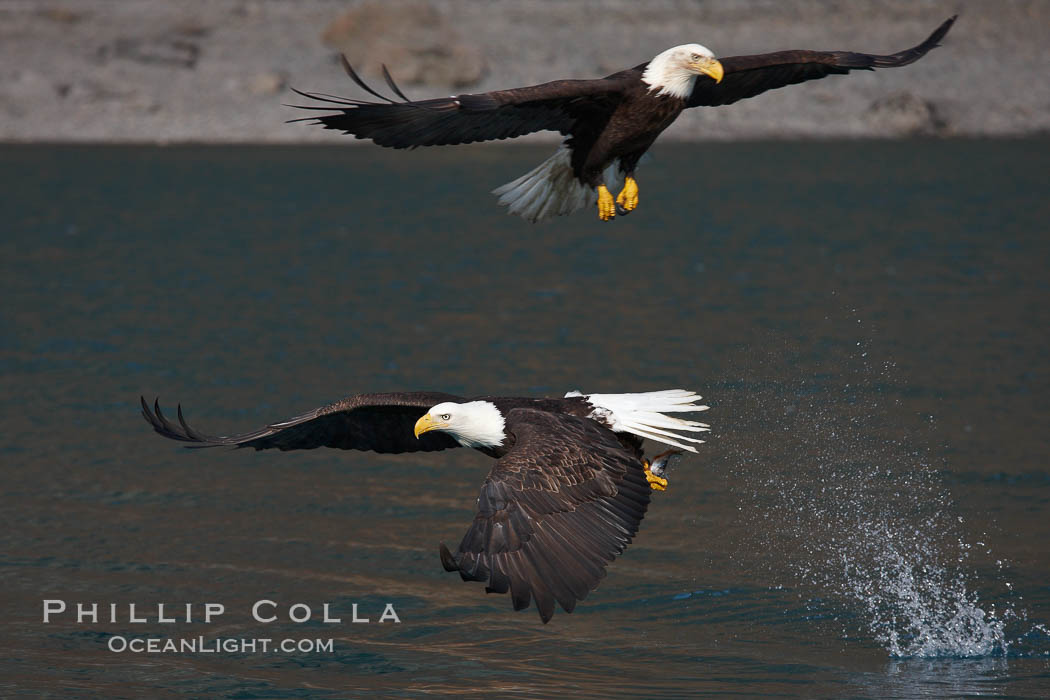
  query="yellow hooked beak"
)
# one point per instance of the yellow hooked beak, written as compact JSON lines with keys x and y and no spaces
{"x":426,"y":424}
{"x":711,"y":67}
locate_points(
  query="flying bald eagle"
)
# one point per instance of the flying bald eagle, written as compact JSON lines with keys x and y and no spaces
{"x":566,"y":495}
{"x":609,"y":123}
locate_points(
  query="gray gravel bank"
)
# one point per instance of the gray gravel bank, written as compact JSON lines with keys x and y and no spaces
{"x":218,"y":70}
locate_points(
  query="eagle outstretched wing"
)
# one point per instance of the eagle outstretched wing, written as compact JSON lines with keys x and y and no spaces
{"x":562,"y":106}
{"x":553,"y":512}
{"x":376,"y":422}
{"x":747,"y":76}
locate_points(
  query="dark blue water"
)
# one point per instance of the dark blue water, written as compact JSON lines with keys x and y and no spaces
{"x":869,"y":518}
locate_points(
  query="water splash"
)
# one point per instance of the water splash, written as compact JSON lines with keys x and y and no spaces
{"x":843,"y":505}
{"x":915,"y":605}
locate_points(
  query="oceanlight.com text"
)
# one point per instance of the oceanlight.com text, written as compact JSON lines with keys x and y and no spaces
{"x":231,"y":645}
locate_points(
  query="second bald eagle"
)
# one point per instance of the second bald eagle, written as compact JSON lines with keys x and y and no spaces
{"x":609,"y":123}
{"x":567,"y":493}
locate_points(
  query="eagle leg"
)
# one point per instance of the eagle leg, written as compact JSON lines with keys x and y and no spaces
{"x":606,"y":205}
{"x":656,"y":483}
{"x":627,"y":200}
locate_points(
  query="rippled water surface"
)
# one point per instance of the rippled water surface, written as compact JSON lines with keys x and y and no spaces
{"x":868,"y":321}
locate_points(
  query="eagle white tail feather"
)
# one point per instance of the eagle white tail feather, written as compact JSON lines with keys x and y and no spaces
{"x":550,"y":189}
{"x":643,"y":414}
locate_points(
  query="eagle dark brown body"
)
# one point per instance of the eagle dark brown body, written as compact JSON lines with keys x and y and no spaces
{"x":631,"y":129}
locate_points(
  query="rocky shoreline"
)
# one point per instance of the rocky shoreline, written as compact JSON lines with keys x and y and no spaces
{"x":218,"y":71}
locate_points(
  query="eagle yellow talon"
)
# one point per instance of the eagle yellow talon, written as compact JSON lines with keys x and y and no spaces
{"x":606,"y":205}
{"x":656,"y":483}
{"x":628,"y":197}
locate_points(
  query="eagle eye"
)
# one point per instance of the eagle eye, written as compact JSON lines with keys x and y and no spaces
{"x":445,"y":416}
{"x":696,"y":57}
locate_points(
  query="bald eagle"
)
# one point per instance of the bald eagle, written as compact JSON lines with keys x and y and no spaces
{"x":609,"y":123}
{"x":566,"y":495}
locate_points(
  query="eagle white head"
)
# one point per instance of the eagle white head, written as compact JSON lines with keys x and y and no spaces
{"x":471,"y":424}
{"x":674,"y":71}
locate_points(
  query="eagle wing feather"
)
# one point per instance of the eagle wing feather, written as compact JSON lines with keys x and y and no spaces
{"x":376,"y":422}
{"x":747,"y":76}
{"x":561,"y":105}
{"x":554,"y":511}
